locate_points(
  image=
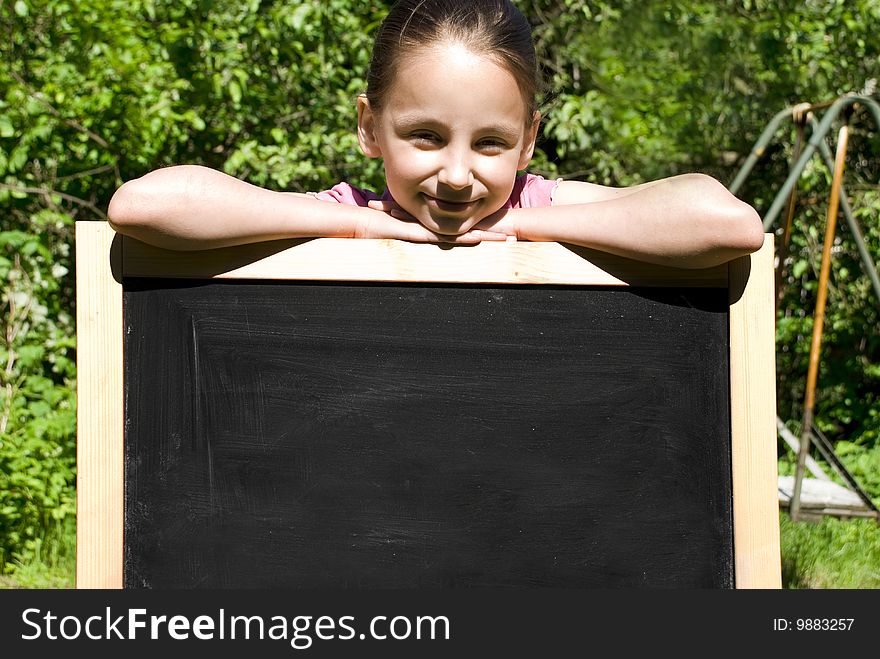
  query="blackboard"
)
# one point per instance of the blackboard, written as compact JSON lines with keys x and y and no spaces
{"x":316,"y":432}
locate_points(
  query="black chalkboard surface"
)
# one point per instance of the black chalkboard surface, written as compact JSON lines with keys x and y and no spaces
{"x":373,"y":435}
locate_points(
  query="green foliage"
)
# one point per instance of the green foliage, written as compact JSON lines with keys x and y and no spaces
{"x":37,"y":403}
{"x":96,"y":92}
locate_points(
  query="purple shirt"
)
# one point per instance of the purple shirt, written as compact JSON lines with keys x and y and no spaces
{"x":529,"y":191}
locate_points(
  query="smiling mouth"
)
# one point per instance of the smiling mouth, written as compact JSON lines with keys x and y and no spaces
{"x":449,"y":206}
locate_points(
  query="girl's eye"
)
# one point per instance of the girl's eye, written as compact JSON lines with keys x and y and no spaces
{"x":424,"y":138}
{"x":492,"y":145}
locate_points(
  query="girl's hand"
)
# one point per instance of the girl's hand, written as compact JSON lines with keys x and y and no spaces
{"x":393,"y":222}
{"x":501,"y":222}
{"x":391,"y":207}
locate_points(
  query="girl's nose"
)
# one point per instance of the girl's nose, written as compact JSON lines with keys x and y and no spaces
{"x":456,"y":172}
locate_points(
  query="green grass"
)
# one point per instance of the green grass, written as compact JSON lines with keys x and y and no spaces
{"x":52,"y":564}
{"x":39,"y":575}
{"x":833,"y":553}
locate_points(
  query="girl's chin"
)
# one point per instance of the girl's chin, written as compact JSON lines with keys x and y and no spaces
{"x":450,"y":225}
{"x":450,"y":228}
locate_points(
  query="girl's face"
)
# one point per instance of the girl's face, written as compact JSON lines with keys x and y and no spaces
{"x":452,"y":133}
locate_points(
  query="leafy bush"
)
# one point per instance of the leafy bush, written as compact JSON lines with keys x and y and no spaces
{"x":38,"y":416}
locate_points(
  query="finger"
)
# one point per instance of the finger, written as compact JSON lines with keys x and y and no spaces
{"x":482,"y":234}
{"x":471,"y":237}
{"x":399,"y":214}
{"x":390,"y":207}
{"x":381,"y":205}
{"x":463,"y":239}
{"x":419,"y":234}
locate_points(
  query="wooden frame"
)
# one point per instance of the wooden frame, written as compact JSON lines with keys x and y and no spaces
{"x":103,"y":259}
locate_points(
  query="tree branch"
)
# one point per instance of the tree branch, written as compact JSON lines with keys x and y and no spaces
{"x":47,"y":193}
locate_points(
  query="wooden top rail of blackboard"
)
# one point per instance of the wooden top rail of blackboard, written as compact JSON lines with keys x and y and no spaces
{"x":342,"y":259}
{"x":104,"y":259}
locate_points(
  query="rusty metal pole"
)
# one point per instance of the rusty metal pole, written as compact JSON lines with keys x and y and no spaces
{"x":819,"y":319}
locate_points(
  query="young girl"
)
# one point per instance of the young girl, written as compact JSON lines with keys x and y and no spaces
{"x":450,"y":108}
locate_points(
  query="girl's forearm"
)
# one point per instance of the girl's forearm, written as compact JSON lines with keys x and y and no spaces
{"x":193,"y":207}
{"x":686,"y":222}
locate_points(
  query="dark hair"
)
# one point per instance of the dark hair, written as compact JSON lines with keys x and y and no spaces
{"x":492,"y":28}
